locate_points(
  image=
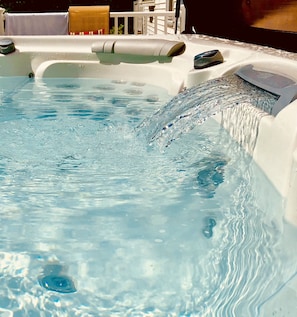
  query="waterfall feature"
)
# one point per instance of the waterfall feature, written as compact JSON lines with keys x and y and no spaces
{"x":194,"y":105}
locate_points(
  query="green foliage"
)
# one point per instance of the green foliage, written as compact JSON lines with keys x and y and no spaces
{"x":120,"y":29}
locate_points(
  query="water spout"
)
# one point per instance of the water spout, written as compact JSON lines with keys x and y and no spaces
{"x":193,"y":106}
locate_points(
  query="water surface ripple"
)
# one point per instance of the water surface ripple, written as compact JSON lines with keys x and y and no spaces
{"x":123,"y":229}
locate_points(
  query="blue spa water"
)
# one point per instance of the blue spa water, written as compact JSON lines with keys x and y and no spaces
{"x":96,"y":222}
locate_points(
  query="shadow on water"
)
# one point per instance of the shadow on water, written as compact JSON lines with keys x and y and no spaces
{"x":210,"y":174}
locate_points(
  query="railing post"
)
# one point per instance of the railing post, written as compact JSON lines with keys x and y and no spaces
{"x":182,"y":18}
{"x":2,"y":31}
{"x":137,"y":21}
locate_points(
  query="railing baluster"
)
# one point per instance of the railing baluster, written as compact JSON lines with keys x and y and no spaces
{"x":155,"y":25}
{"x":116,"y":25}
{"x":144,"y":25}
{"x":165,"y":24}
{"x":126,"y":25}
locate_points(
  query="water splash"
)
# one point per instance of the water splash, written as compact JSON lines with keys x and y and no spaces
{"x":195,"y":105}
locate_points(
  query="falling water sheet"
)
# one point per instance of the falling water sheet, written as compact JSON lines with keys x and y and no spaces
{"x":193,"y":106}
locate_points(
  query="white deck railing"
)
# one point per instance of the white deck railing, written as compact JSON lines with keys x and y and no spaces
{"x":141,"y":22}
{"x":163,"y":22}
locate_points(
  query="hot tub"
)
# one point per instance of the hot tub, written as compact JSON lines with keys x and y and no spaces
{"x":166,"y":63}
{"x":64,"y":57}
